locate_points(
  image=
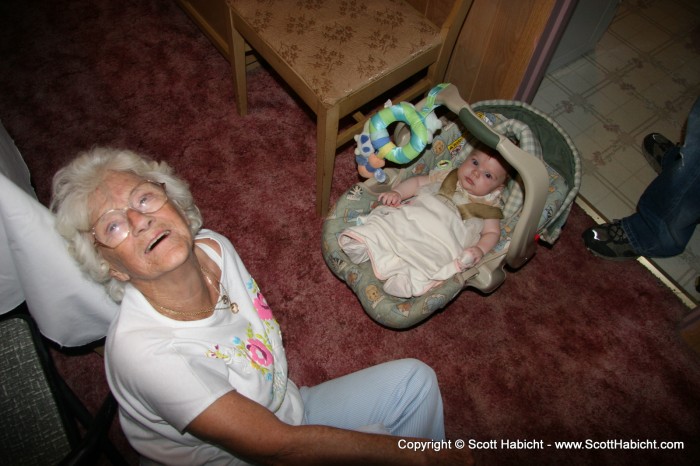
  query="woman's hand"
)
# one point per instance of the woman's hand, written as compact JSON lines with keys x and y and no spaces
{"x":251,"y":432}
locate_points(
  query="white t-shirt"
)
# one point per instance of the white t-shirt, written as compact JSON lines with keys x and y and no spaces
{"x":165,"y":372}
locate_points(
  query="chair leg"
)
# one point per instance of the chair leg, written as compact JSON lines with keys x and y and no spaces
{"x":237,"y":58}
{"x":326,"y":145}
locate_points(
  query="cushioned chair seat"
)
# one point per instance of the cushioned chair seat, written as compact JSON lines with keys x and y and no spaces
{"x":316,"y":40}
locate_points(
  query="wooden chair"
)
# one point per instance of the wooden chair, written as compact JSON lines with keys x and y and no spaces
{"x":339,"y":55}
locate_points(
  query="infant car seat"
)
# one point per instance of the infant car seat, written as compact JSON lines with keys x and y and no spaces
{"x":537,"y":203}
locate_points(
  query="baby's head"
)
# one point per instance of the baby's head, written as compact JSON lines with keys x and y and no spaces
{"x":484,"y":171}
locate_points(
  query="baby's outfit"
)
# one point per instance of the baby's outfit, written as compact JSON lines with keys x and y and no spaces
{"x":416,"y":246}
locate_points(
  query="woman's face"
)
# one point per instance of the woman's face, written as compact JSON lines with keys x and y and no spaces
{"x":158,"y":242}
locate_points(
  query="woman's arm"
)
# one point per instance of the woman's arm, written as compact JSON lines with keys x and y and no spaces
{"x":251,"y":432}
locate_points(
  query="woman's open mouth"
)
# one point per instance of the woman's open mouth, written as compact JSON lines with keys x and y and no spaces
{"x":157,"y":240}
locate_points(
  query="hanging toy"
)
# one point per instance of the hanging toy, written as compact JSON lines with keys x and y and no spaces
{"x":368,"y":164}
{"x":374,"y":144}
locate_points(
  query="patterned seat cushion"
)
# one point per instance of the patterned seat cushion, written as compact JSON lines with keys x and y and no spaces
{"x":336,"y":47}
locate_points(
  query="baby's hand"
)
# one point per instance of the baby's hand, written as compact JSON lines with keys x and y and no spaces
{"x":470,"y":257}
{"x":391,"y":198}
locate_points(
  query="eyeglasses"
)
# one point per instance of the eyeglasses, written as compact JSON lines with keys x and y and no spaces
{"x":113,"y":226}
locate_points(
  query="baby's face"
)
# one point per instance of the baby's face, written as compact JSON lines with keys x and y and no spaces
{"x":480,"y":174}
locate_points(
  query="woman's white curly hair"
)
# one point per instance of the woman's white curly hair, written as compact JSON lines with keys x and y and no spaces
{"x":72,"y":187}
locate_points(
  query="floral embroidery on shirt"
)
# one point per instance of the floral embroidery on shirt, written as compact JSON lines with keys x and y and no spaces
{"x":257,"y":350}
{"x":218,"y":353}
{"x":252,"y":286}
{"x":263,"y":308}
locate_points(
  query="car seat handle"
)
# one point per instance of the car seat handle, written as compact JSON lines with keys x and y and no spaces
{"x":478,"y":128}
{"x":531,"y":170}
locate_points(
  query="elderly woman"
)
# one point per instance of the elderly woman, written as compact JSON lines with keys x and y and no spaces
{"x":195,"y":357}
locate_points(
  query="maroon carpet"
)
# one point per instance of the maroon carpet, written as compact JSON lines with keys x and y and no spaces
{"x":570,"y":348}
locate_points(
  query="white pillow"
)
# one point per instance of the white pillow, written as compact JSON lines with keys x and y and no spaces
{"x":69,"y":308}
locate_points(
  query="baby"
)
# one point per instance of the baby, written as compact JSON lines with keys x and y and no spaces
{"x":452,"y":219}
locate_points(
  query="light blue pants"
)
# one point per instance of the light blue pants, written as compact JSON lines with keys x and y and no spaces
{"x":669,"y":209}
{"x":400,"y":398}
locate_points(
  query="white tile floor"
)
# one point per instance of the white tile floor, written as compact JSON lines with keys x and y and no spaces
{"x":642,"y":77}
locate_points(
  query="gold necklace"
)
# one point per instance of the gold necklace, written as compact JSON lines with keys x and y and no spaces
{"x":223,"y":297}
{"x":223,"y":294}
